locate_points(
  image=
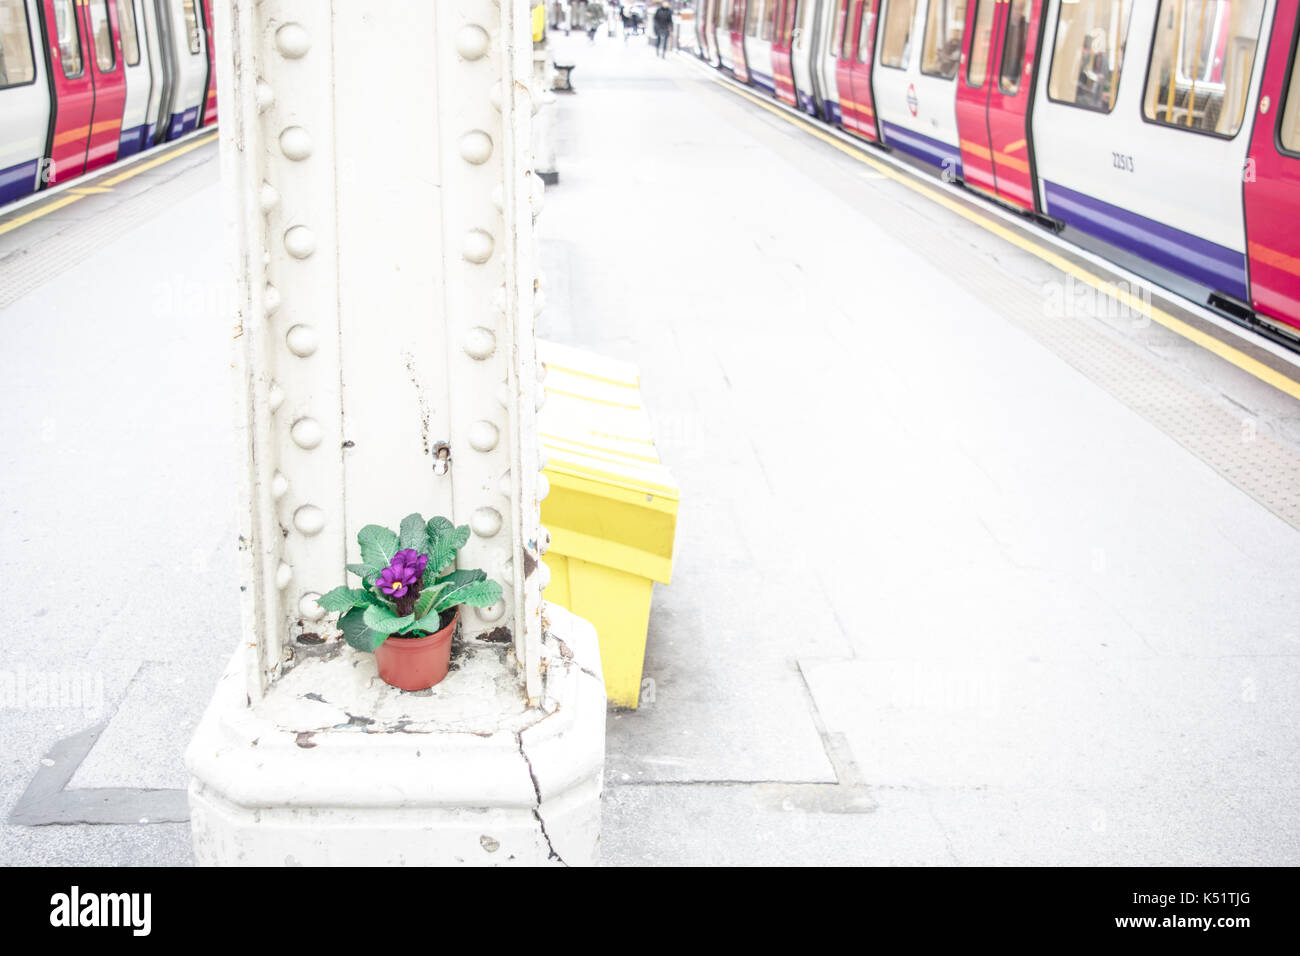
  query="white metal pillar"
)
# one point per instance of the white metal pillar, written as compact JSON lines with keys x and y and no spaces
{"x":378,"y":169}
{"x":381,"y":193}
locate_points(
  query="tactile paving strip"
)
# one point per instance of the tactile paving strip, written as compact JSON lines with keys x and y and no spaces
{"x":1228,"y":440}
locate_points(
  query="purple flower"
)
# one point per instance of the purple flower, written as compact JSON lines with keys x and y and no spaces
{"x":410,"y":558}
{"x":402,"y":573}
{"x":396,"y":579}
{"x":402,"y":579}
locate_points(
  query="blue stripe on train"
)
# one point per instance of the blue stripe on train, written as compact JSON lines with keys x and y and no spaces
{"x":933,"y":151}
{"x":763,"y":80}
{"x":835,"y":115}
{"x":131,"y":141}
{"x":18,"y":181}
{"x":807,"y":103}
{"x":182,"y":123}
{"x":1208,"y":263}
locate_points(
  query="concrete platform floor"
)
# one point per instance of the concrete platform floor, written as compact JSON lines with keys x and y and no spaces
{"x":962,"y":576}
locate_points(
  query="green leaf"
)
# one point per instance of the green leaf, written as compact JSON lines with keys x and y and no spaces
{"x":430,"y":622}
{"x":356,"y":633}
{"x":383,"y":621}
{"x":378,"y":545}
{"x":413,"y":533}
{"x":344,"y":598}
{"x":462,"y":577}
{"x":474,"y":593}
{"x":445,"y":539}
{"x":365,"y":571}
{"x":424,"y":603}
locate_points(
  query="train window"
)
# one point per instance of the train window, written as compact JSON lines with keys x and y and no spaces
{"x":790,"y":13}
{"x":102,"y":36}
{"x":130,"y":36}
{"x":945,"y":22}
{"x":191,"y":24}
{"x":1202,"y":58}
{"x":16,"y":65}
{"x":864,"y":35}
{"x":1089,"y":53}
{"x":1288,"y":130}
{"x":765,"y":14}
{"x":1013,"y":47}
{"x":977,"y":68}
{"x":895,"y":45}
{"x":69,"y":37}
{"x":846,"y":37}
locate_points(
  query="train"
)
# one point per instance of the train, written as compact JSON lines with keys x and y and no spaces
{"x":85,"y":83}
{"x":1162,"y":134}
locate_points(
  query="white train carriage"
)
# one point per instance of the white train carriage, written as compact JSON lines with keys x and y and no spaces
{"x":828,"y":32}
{"x":801,"y":60}
{"x":185,"y":57}
{"x":1142,"y":127}
{"x":137,"y":60}
{"x":918,"y":53}
{"x":758,"y":43}
{"x":24,"y":100}
{"x":722,"y":23}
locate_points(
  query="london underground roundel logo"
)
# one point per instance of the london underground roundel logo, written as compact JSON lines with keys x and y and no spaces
{"x":911,"y":97}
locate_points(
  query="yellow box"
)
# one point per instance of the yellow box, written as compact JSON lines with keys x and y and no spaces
{"x":612,"y":508}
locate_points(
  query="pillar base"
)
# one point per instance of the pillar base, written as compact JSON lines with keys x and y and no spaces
{"x":334,"y":767}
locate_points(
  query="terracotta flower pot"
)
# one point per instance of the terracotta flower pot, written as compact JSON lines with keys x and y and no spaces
{"x":416,"y":663}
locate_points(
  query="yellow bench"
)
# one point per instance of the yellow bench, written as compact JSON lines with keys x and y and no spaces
{"x":612,"y":507}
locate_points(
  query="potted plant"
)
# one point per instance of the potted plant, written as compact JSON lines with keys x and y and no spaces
{"x":410,"y":599}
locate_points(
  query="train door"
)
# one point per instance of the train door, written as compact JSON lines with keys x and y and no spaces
{"x":801,"y":57}
{"x":161,"y":72}
{"x":982,"y":18}
{"x":74,"y":91}
{"x":1011,"y":89}
{"x":139,"y":79}
{"x":704,"y":27}
{"x":758,"y":43}
{"x":210,"y":100}
{"x":782,"y":74}
{"x":722,"y":33}
{"x":105,"y":61}
{"x":1272,"y":181}
{"x":846,"y":14}
{"x":829,"y":33}
{"x":182,"y":34}
{"x":739,"y":66}
{"x":859,"y":51}
{"x":24,"y":100}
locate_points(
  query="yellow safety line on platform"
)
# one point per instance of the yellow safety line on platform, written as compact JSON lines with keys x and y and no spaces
{"x":59,"y":203}
{"x":144,"y":167}
{"x":1226,"y":352}
{"x":80,"y":192}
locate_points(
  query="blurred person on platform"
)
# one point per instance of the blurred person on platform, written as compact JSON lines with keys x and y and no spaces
{"x":663,"y":22}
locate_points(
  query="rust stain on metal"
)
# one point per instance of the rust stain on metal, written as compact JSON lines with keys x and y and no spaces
{"x":498,"y":635}
{"x":425,"y":414}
